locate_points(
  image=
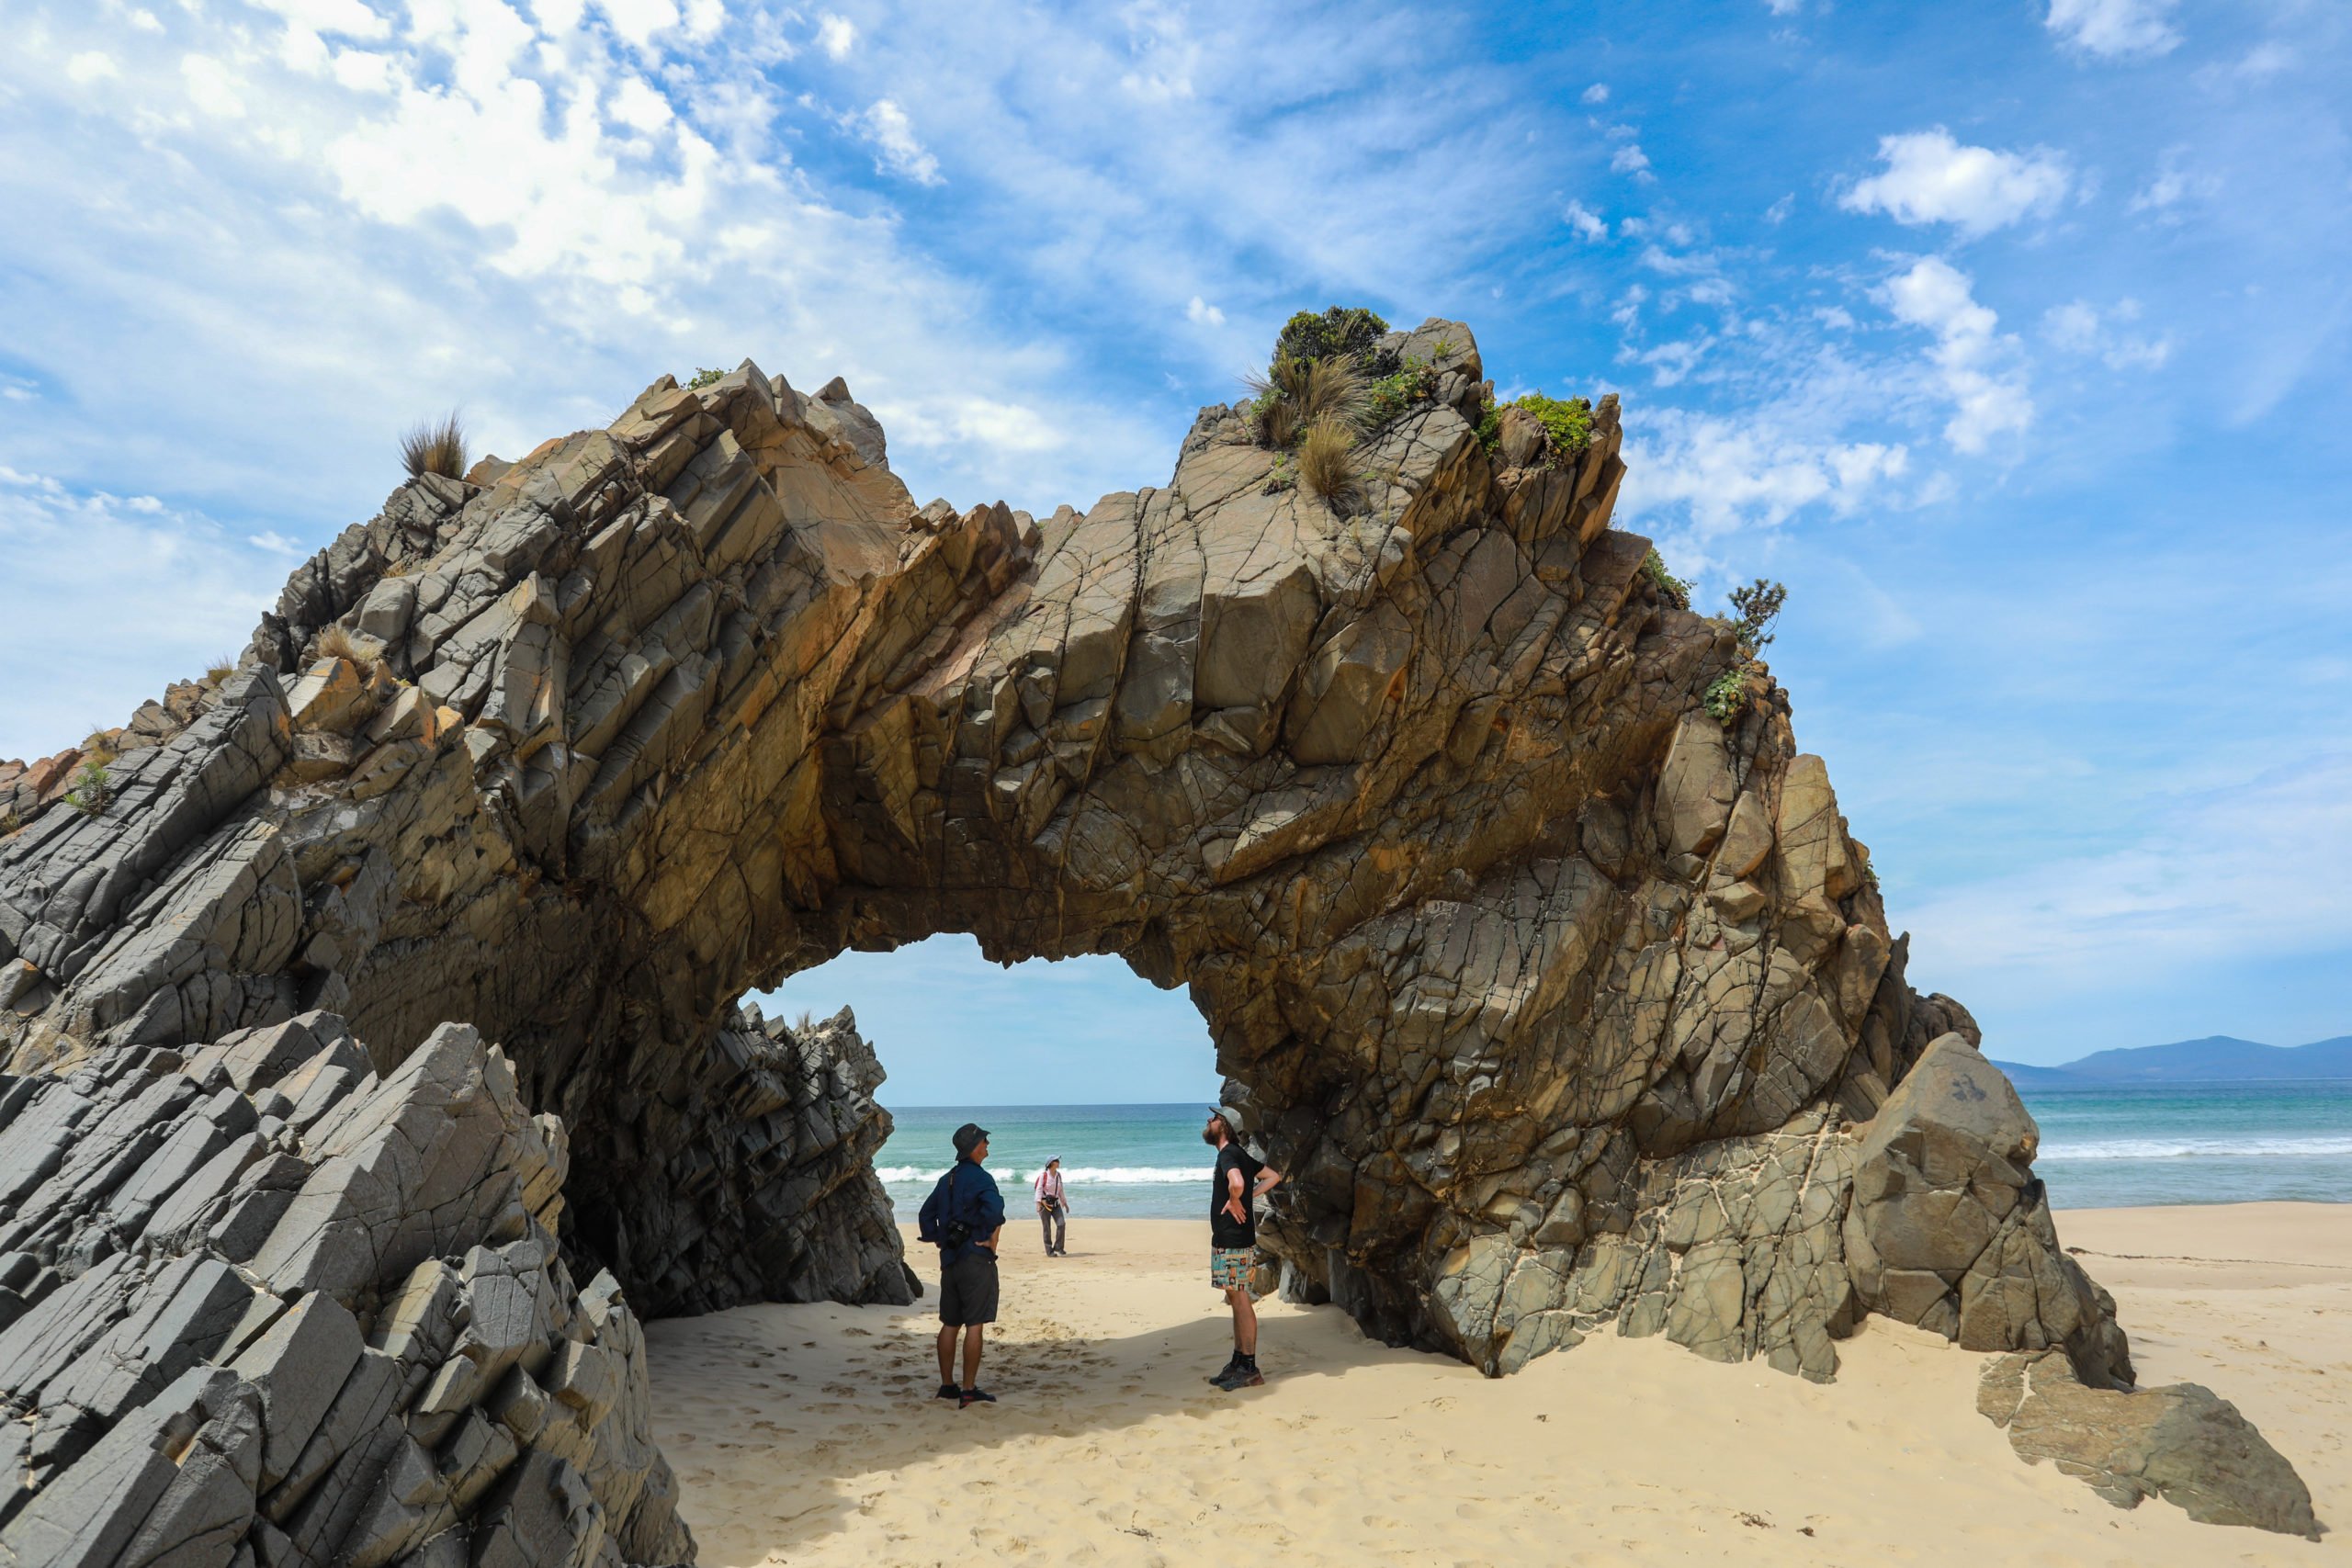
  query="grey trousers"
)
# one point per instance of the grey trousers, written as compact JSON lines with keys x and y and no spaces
{"x":1055,"y":1223}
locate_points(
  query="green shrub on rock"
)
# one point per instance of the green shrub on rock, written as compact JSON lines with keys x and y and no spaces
{"x":1336,"y":333}
{"x":1567,"y":425}
{"x":1676,"y":591}
{"x":1390,"y":395}
{"x":704,"y":378}
{"x":1728,"y":696}
{"x":1754,"y":609}
{"x":1568,"y":422}
{"x":92,"y":789}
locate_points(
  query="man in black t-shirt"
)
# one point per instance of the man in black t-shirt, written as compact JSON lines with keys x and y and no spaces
{"x":1235,"y":1187}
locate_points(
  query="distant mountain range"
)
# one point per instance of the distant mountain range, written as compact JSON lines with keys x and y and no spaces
{"x":2191,"y":1061}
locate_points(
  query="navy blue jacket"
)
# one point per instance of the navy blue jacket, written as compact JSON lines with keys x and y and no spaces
{"x":967,"y":1192}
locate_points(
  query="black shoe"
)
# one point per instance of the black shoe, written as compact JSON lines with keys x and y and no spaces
{"x":948,"y":1391}
{"x":1232,"y":1365}
{"x":1240,"y":1378}
{"x":975,"y":1396}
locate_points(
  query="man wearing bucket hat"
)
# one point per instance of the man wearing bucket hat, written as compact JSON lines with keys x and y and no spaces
{"x":963,"y":1218}
{"x":1238,"y":1181}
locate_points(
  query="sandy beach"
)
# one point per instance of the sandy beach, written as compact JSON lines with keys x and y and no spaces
{"x":807,"y":1434}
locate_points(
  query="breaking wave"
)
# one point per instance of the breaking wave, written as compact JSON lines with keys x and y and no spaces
{"x":2319,"y":1147}
{"x":1107,"y":1175}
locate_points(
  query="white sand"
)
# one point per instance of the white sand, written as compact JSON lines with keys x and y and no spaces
{"x":807,"y":1434}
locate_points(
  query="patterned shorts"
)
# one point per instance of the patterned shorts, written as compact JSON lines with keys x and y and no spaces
{"x":1230,"y":1268}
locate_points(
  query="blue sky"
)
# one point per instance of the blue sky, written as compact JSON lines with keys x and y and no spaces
{"x":2010,"y":336}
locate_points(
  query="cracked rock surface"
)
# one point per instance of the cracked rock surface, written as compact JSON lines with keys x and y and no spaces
{"x":265,"y":1306}
{"x":1564,"y":1004}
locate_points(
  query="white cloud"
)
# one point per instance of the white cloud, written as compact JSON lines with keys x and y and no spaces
{"x":1629,"y":159}
{"x":2080,"y":327}
{"x":636,"y":104}
{"x":836,"y":36}
{"x":1587,"y":224}
{"x":1778,"y":213}
{"x":1596,"y":93}
{"x":2174,"y":183}
{"x":177,"y":592}
{"x":1722,"y":474}
{"x":2114,"y":29}
{"x":638,"y":22}
{"x":211,"y":87}
{"x":1930,"y":178}
{"x":1977,"y":364}
{"x":91,"y":65}
{"x":887,"y":126}
{"x":1166,"y":57}
{"x":2255,"y":864}
{"x":1201,"y":313}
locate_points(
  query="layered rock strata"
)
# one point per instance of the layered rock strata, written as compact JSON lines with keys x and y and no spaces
{"x":1564,"y":1004}
{"x":264,"y":1306}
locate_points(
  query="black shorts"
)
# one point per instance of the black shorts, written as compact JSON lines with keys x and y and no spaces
{"x":967,"y":1289}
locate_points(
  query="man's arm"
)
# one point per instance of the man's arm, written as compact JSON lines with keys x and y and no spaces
{"x":1268,"y":1179}
{"x":1233,"y":1189}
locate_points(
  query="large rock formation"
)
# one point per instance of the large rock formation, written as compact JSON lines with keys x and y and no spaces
{"x":1564,"y":1002}
{"x":263,"y":1306}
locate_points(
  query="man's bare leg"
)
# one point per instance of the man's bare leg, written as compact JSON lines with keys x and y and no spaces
{"x":971,"y":1355}
{"x":947,"y":1355}
{"x":1245,"y":1322}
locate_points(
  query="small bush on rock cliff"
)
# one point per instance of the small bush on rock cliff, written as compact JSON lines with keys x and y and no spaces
{"x":1727,"y":697}
{"x":704,"y":378}
{"x":91,"y":790}
{"x":436,"y":449}
{"x":1567,"y":425}
{"x":1413,"y":382}
{"x":1336,"y":333}
{"x":1676,"y":591}
{"x":1567,"y":422}
{"x":1754,"y":609}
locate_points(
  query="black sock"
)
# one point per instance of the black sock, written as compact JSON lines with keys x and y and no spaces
{"x":1250,"y":1362}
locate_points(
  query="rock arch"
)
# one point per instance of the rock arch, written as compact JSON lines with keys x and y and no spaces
{"x":1565,"y":1003}
{"x":1553,"y":992}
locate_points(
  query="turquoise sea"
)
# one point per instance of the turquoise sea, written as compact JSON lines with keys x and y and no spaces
{"x":2107,"y":1147}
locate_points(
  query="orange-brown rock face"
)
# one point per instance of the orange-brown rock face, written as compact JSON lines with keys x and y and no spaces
{"x":1562,"y":1002}
{"x":1557,"y":997}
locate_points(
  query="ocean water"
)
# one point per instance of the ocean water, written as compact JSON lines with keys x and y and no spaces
{"x":2203,"y":1142}
{"x":2107,"y":1147}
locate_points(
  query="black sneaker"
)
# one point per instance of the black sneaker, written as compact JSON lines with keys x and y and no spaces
{"x":1240,"y":1378}
{"x":1232,"y":1365}
{"x":975,"y":1396}
{"x":948,"y":1391}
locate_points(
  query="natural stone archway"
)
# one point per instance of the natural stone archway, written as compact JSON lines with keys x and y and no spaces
{"x":1564,"y":1003}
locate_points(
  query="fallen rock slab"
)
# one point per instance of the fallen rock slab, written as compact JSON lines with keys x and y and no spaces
{"x":2181,"y":1442}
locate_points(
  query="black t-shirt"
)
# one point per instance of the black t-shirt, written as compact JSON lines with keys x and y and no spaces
{"x":1225,"y":1231}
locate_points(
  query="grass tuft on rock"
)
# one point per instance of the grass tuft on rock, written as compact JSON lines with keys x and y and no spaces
{"x":341,"y":642}
{"x":1326,"y":459}
{"x":436,"y":449}
{"x":1297,"y":394}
